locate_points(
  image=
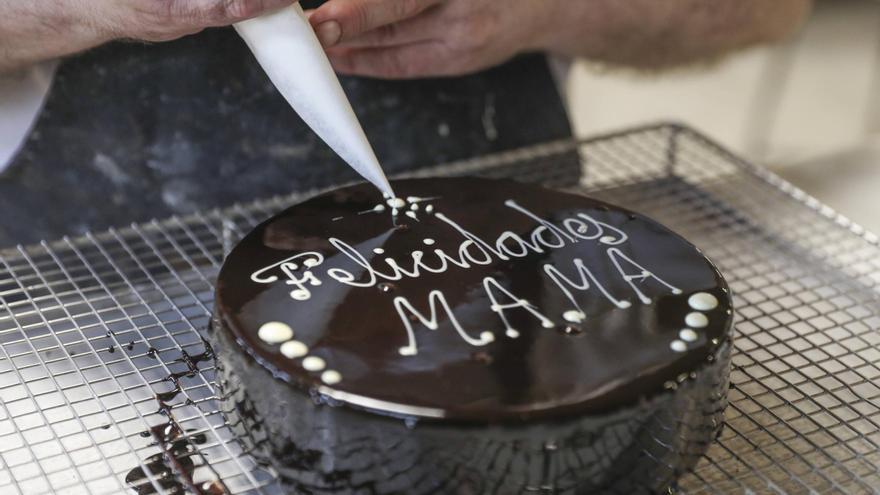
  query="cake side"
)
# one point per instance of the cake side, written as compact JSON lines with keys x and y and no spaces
{"x":320,"y":446}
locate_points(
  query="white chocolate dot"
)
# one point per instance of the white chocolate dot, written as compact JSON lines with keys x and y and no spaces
{"x":293,"y":349}
{"x":429,"y":208}
{"x":411,"y":214}
{"x":313,"y":363}
{"x":429,"y":242}
{"x":487,"y":337}
{"x":396,"y":203}
{"x":378,"y":250}
{"x":547,"y":324}
{"x":606,"y":239}
{"x":379,"y":208}
{"x":414,"y":207}
{"x":331,"y":377}
{"x":703,"y":301}
{"x":311,"y":262}
{"x":687,"y":335}
{"x":300,"y":294}
{"x":275,"y":332}
{"x":574,"y":316}
{"x":512,"y":333}
{"x":696,"y":320}
{"x":678,"y":346}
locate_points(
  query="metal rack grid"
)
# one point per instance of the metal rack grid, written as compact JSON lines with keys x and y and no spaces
{"x":106,"y":385}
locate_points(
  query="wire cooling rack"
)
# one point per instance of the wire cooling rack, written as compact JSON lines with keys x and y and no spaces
{"x":106,"y":385}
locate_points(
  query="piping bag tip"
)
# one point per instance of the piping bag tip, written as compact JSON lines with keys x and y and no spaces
{"x":285,"y":45}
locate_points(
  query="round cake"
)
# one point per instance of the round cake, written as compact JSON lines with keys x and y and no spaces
{"x":471,"y":336}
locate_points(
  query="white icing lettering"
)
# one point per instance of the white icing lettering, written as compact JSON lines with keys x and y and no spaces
{"x":473,"y":250}
{"x":587,"y":280}
{"x":581,"y":229}
{"x":260,"y":277}
{"x":522,"y":247}
{"x":538,"y":237}
{"x":491,"y":285}
{"x":616,"y":256}
{"x":432,"y":322}
{"x":513,"y":204}
{"x":480,"y":243}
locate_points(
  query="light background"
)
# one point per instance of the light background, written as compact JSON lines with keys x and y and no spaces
{"x":809,"y":108}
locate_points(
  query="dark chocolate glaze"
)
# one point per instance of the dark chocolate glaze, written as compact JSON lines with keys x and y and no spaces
{"x":616,"y":359}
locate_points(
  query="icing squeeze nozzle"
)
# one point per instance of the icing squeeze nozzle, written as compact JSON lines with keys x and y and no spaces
{"x":288,"y":50}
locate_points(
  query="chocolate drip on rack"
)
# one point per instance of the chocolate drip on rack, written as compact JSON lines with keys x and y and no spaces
{"x":174,"y":467}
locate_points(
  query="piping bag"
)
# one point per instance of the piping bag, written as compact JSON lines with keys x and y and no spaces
{"x":288,"y":50}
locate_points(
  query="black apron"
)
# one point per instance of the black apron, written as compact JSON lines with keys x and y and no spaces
{"x":133,"y":131}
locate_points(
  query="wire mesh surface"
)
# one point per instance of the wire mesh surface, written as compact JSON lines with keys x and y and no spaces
{"x":106,"y":385}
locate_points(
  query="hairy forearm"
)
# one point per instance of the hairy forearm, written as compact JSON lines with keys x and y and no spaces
{"x":35,"y":30}
{"x":654,"y":34}
{"x":32,"y":31}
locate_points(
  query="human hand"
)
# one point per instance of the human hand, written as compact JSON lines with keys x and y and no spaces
{"x":423,"y":38}
{"x":35,"y":30}
{"x":162,"y":20}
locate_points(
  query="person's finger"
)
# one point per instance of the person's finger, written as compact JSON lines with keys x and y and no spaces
{"x":423,"y":27}
{"x":206,"y":13}
{"x":414,"y":60}
{"x":339,"y":20}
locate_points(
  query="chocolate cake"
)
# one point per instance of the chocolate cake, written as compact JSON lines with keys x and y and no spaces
{"x":471,"y":336}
